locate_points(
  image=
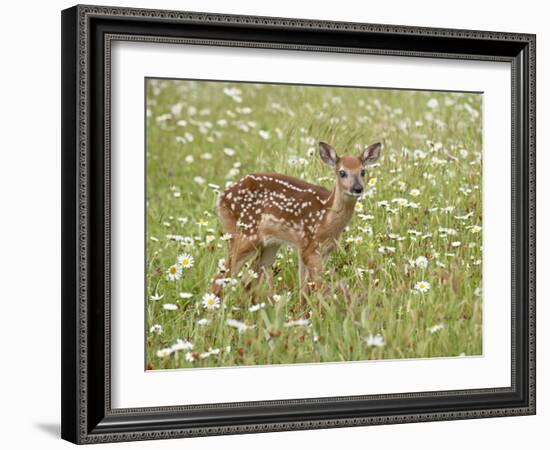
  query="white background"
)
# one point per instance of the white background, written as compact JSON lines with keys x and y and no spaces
{"x":30,"y":229}
{"x":133,"y":387}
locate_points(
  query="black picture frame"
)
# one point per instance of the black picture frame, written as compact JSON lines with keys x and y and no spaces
{"x":87,"y":33}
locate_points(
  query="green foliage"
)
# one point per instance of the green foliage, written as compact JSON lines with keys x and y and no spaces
{"x":423,"y":205}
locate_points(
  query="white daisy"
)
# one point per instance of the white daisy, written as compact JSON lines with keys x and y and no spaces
{"x":156,"y":329}
{"x":298,"y":323}
{"x":185,"y":295}
{"x":252,"y":274}
{"x":199,"y":180}
{"x":164,"y":352}
{"x":401,"y":201}
{"x":421,"y":262}
{"x":203,"y":321}
{"x":229,"y":151}
{"x":366,"y":216}
{"x":189,"y":357}
{"x":422,"y":286}
{"x":185,"y":260}
{"x":432,"y":103}
{"x":475,"y":229}
{"x":359,"y":207}
{"x":174,"y":272}
{"x":375,"y":340}
{"x":240,"y":326}
{"x":210,"y":301}
{"x":181,"y":344}
{"x":436,"y":328}
{"x":256,"y":307}
{"x":169,"y":307}
{"x":419,"y":154}
{"x":415,"y":192}
{"x":372,"y":181}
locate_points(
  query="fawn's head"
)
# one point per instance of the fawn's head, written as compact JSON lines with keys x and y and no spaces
{"x":350,"y":170}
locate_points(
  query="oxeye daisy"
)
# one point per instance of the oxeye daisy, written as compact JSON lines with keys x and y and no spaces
{"x":156,"y":329}
{"x":436,"y":328}
{"x":174,"y":272}
{"x":240,"y":326}
{"x":359,"y":207}
{"x":210,"y":301}
{"x":185,"y":260}
{"x":415,"y":192}
{"x":372,"y":181}
{"x":421,"y":262}
{"x":375,"y":340}
{"x":181,"y":344}
{"x":422,"y":286}
{"x":256,"y":307}
{"x":475,"y":229}
{"x":164,"y":352}
{"x":401,"y":201}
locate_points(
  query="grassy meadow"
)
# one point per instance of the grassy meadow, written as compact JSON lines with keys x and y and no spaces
{"x":406,"y":278}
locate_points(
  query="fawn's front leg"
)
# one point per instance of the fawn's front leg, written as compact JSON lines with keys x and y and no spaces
{"x":310,"y":269}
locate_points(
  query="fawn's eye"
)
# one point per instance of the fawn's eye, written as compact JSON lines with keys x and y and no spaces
{"x":343,"y":173}
{"x":362,"y":173}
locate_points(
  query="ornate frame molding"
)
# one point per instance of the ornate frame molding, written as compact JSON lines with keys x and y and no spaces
{"x":80,"y":418}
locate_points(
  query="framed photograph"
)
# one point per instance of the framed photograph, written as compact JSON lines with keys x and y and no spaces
{"x":281,"y":224}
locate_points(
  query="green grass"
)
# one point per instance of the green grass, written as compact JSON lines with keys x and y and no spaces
{"x":371,"y":277}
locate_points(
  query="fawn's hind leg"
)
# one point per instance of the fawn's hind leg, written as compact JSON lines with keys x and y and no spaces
{"x":240,"y":249}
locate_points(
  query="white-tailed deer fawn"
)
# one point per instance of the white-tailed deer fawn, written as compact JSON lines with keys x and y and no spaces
{"x":262,"y":211}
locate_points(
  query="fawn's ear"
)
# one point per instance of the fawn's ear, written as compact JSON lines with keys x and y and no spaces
{"x":371,"y":154}
{"x":328,"y":154}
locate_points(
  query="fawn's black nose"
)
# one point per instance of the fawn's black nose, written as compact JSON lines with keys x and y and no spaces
{"x":357,"y":189}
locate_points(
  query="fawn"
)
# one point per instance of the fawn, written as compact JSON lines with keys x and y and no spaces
{"x":262,"y":211}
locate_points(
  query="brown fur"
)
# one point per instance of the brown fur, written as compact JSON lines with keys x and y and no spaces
{"x":262,"y":211}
